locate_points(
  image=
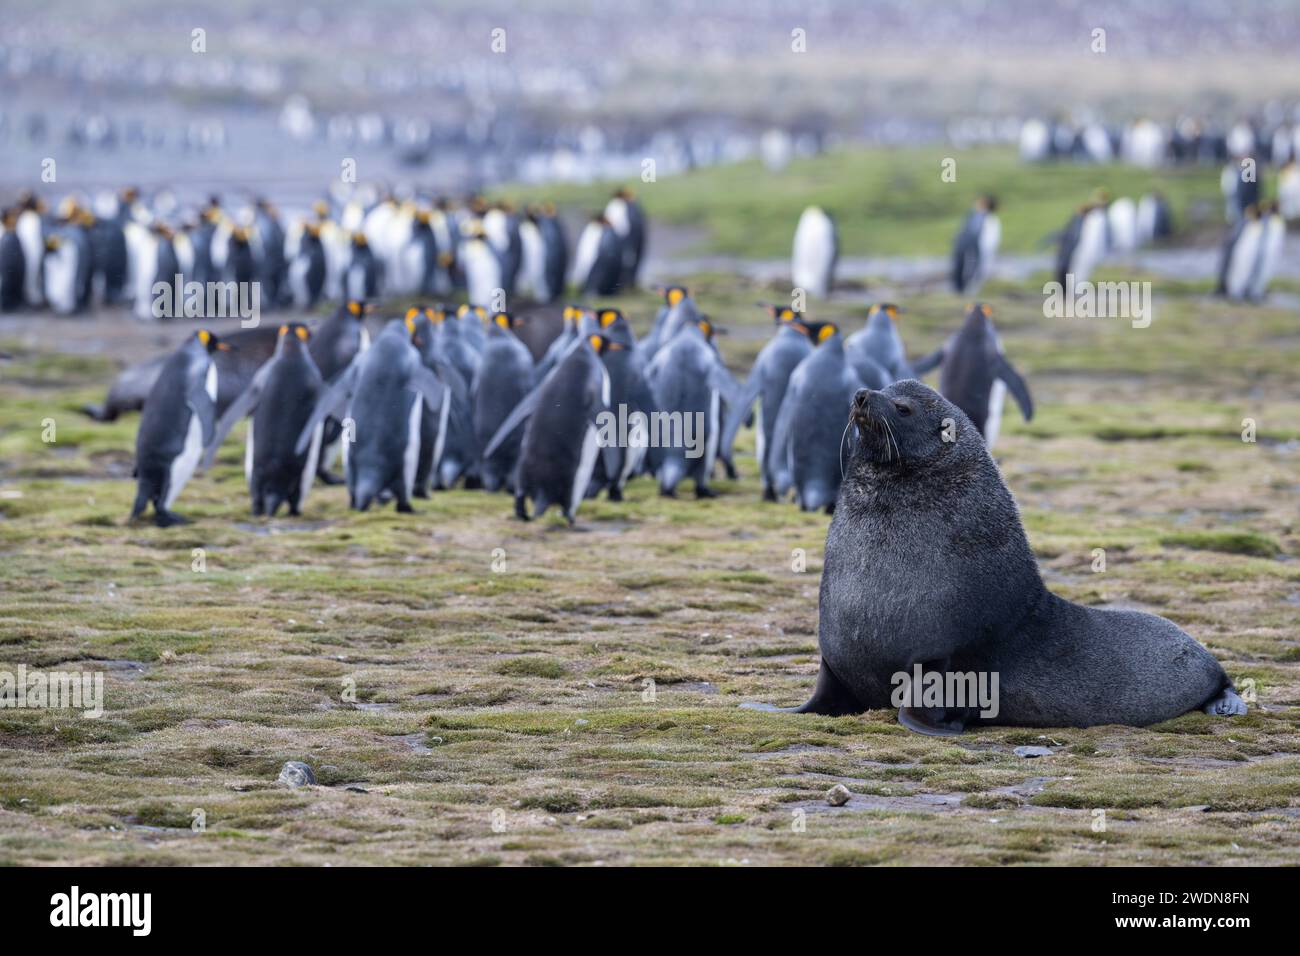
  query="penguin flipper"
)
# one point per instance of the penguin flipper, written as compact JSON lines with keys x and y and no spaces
{"x":1017,"y":387}
{"x":245,"y":404}
{"x":202,"y":405}
{"x":517,"y":416}
{"x":332,"y":402}
{"x":724,"y":383}
{"x":929,"y":363}
{"x":426,"y":383}
{"x":740,"y":411}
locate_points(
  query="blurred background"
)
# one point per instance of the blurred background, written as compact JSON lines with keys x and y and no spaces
{"x":584,"y":90}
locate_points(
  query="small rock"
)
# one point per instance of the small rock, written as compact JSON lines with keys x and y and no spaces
{"x":838,"y":795}
{"x":1033,"y":751}
{"x":581,"y":722}
{"x":295,"y":773}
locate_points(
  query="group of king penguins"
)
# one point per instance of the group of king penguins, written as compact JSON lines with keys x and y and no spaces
{"x":116,"y":248}
{"x":438,"y":398}
{"x":1104,"y":226}
{"x":809,"y":367}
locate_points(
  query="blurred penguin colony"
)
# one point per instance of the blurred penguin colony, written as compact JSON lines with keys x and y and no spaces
{"x":115,"y":248}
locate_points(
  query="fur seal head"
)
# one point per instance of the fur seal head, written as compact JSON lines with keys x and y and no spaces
{"x":909,"y":426}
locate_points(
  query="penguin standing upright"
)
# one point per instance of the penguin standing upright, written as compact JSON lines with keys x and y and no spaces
{"x":598,"y":260}
{"x":65,"y":270}
{"x":559,"y":346}
{"x":280,"y":398}
{"x":1122,"y":225}
{"x":384,"y":392}
{"x":1240,"y":191}
{"x":268,"y":234}
{"x":334,"y":347}
{"x":1288,"y":188}
{"x":631,"y":400}
{"x":816,"y":250}
{"x":449,"y":424}
{"x":363,"y":277}
{"x":109,"y":261}
{"x":13,"y":267}
{"x":688,"y":378}
{"x":534,"y":278}
{"x":556,"y":248}
{"x":480,"y":263}
{"x":976,"y":246}
{"x":1240,"y":255}
{"x":672,"y":294}
{"x":561,"y":441}
{"x":504,"y":380}
{"x":306,"y":275}
{"x":976,"y":374}
{"x":179,"y":418}
{"x":878,"y":348}
{"x":807,"y":439}
{"x":767,"y":384}
{"x":1082,"y":244}
{"x":31,"y":235}
{"x":460,"y":448}
{"x":627,"y":218}
{"x":1272,"y":236}
{"x":501,"y":227}
{"x":1154,"y":221}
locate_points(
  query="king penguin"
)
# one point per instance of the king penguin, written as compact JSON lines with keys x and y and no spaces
{"x":976,"y":246}
{"x":767,"y":384}
{"x":560,"y":442}
{"x":598,"y":260}
{"x":876,"y":350}
{"x":382,"y":395}
{"x":1082,"y":244}
{"x":504,"y":381}
{"x":626,"y":216}
{"x":179,"y":418}
{"x":631,"y":401}
{"x":688,"y":378}
{"x":816,"y":251}
{"x":336,"y":344}
{"x":976,"y":375}
{"x":280,"y":398}
{"x":808,"y":440}
{"x":12,"y":264}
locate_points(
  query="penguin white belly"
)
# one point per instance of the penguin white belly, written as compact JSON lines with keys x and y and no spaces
{"x":298,"y":281}
{"x":183,"y":465}
{"x":482,"y":273}
{"x":993,"y":424}
{"x":584,"y":257}
{"x":309,"y":469}
{"x":989,"y":240}
{"x":411,"y":459}
{"x":760,"y":442}
{"x":712,"y":437}
{"x":61,"y":280}
{"x":249,"y":452}
{"x":1269,"y":254}
{"x":586,"y":465}
{"x":31,"y":239}
{"x":814,"y":253}
{"x":1242,"y":265}
{"x":440,"y":443}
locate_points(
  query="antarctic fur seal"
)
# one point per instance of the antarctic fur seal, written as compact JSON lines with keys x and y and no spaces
{"x":927,"y":564}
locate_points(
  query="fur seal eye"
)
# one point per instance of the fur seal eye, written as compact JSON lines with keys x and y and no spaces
{"x":902,"y":409}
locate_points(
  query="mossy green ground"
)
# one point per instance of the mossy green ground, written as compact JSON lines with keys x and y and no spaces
{"x":898,"y":202}
{"x":531,"y":694}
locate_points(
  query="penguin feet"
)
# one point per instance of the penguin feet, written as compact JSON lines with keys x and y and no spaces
{"x":404,"y":507}
{"x":730,"y":469}
{"x":667,"y":492}
{"x":329,"y":478}
{"x":521,"y":508}
{"x":615,"y":493}
{"x":769,"y":493}
{"x":704,"y":491}
{"x":166,"y":519}
{"x":421,"y":493}
{"x":1227,"y":704}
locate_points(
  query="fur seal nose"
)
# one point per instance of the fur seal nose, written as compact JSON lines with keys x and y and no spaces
{"x":861,"y":397}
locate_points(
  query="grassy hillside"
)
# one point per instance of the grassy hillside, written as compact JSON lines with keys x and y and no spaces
{"x":892,"y":201}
